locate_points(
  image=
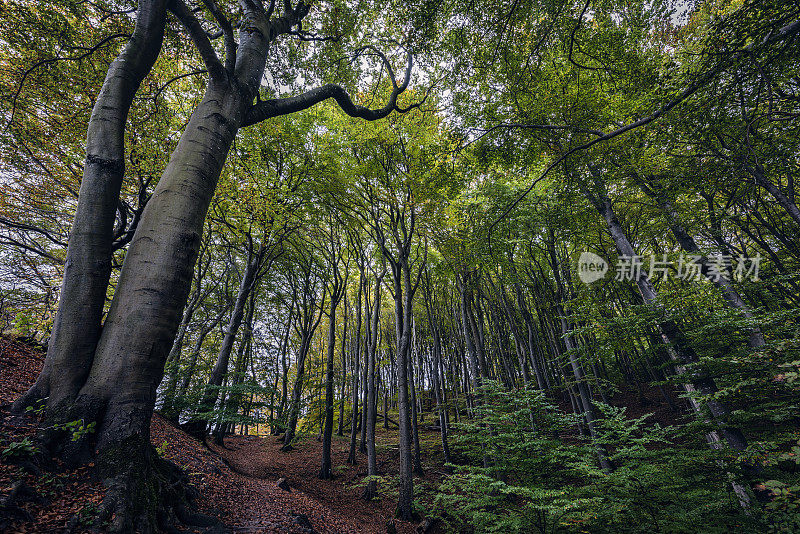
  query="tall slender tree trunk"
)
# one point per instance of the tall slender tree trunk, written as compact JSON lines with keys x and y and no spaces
{"x":371,"y":408}
{"x":678,"y":347}
{"x":354,"y":418}
{"x":688,"y":244}
{"x":414,"y":423}
{"x":326,"y":471}
{"x":441,"y":407}
{"x":403,"y":310}
{"x":212,"y":389}
{"x":306,"y":329}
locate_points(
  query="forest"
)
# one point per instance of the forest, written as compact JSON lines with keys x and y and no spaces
{"x":420,"y":266}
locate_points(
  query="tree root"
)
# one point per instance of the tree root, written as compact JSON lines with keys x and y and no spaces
{"x":147,"y":495}
{"x":9,"y":509}
{"x":371,"y":491}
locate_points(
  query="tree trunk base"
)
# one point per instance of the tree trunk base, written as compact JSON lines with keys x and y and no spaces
{"x":371,"y":491}
{"x":146,"y":493}
{"x":196,"y":429}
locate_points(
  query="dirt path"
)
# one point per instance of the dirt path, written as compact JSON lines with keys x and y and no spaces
{"x":244,"y":502}
{"x":261,"y":458}
{"x":244,"y":496}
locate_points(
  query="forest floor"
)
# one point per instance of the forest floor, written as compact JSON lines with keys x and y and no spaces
{"x":236,"y":483}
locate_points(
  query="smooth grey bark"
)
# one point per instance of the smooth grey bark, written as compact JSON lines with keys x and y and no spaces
{"x":402,"y":232}
{"x":175,"y":408}
{"x":343,"y":382}
{"x":338,"y":286}
{"x":77,"y":324}
{"x":414,"y":423}
{"x":373,"y":317}
{"x":677,"y":345}
{"x":172,"y":365}
{"x":155,"y":278}
{"x":305,"y":326}
{"x":441,"y":407}
{"x":326,"y":471}
{"x":354,"y":418}
{"x":533,"y":347}
{"x":113,"y":379}
{"x":285,"y":369}
{"x":756,"y":170}
{"x":243,"y":355}
{"x":362,"y":447}
{"x":584,"y":395}
{"x":403,"y":317}
{"x":280,"y":357}
{"x":519,"y":344}
{"x":471,"y":349}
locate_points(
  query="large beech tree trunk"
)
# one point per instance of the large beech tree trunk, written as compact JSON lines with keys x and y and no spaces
{"x":77,"y":325}
{"x":110,"y":377}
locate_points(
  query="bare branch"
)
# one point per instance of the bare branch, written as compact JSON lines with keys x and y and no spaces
{"x":31,"y":228}
{"x":785,"y":32}
{"x":199,"y":37}
{"x":227,"y":31}
{"x":48,"y":61}
{"x":283,"y":106}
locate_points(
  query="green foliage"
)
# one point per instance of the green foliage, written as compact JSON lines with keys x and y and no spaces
{"x":784,"y":508}
{"x":539,"y":478}
{"x":77,"y":429}
{"x":19,"y":450}
{"x":162,"y":449}
{"x":221,"y":413}
{"x":24,"y":325}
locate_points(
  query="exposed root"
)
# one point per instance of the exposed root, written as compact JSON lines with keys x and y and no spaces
{"x":147,"y":494}
{"x":10,"y":510}
{"x":35,"y":395}
{"x":371,"y":491}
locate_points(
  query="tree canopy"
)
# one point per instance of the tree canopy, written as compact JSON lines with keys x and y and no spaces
{"x":565,"y":231}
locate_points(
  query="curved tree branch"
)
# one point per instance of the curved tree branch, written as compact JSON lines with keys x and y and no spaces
{"x":89,"y":51}
{"x":227,"y":31}
{"x":276,"y":107}
{"x":199,"y":38}
{"x":785,"y":32}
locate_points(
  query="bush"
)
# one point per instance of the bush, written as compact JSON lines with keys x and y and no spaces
{"x":538,"y":478}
